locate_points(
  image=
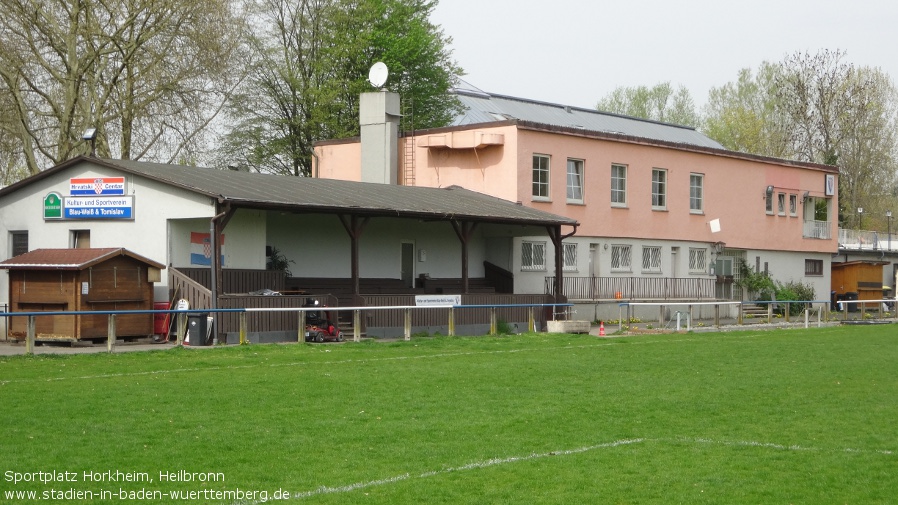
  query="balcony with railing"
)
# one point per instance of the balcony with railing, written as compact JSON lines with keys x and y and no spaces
{"x":817,"y":229}
{"x":866,"y":240}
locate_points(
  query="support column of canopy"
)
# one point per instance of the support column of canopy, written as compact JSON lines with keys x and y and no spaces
{"x":216,"y":227}
{"x":354,"y":226}
{"x":464,"y":230}
{"x":558,"y":242}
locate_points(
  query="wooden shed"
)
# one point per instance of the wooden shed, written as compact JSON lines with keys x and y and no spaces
{"x":54,"y":280}
{"x":861,"y":277}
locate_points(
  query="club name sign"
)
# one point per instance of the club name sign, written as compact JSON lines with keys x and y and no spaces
{"x":91,"y":198}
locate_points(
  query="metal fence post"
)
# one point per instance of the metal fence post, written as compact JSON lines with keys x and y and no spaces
{"x":110,"y":333}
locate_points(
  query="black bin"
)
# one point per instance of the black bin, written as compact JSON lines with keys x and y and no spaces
{"x":197,"y":328}
{"x":852,"y":307}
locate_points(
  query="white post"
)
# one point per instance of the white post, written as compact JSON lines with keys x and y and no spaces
{"x":29,"y":337}
{"x":110,"y":333}
{"x":408,"y":324}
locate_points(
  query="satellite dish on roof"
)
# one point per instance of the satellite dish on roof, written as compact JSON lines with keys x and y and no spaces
{"x":377,"y":76}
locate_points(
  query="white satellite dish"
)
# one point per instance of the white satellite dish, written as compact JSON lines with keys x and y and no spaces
{"x":377,"y":76}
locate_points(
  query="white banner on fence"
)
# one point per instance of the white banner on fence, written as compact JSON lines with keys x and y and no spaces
{"x":427,"y":300}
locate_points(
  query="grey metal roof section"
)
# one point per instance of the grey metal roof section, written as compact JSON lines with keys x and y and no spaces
{"x":329,"y":195}
{"x":481,"y":107}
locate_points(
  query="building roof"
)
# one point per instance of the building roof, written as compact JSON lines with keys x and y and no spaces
{"x":481,"y":107}
{"x":69,"y":259}
{"x":326,"y":196}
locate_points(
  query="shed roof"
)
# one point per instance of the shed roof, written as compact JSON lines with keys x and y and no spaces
{"x":313,"y":195}
{"x":482,"y":107}
{"x":70,"y":259}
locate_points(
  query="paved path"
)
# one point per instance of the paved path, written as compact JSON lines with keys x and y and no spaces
{"x":14,"y":347}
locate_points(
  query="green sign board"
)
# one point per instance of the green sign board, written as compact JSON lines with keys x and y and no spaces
{"x":53,"y":206}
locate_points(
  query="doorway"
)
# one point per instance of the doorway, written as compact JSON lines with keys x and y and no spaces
{"x":407,"y":264}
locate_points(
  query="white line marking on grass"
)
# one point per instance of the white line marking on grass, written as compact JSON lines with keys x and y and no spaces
{"x":566,"y":452}
{"x":780,"y":447}
{"x":470,"y":466}
{"x":350,"y":487}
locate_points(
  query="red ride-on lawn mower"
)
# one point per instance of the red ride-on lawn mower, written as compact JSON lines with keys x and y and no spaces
{"x":319,"y":326}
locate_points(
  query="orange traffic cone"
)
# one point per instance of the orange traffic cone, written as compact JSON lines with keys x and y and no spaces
{"x":601,"y":328}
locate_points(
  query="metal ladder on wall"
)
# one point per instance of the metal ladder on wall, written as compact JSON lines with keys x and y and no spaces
{"x":408,"y":159}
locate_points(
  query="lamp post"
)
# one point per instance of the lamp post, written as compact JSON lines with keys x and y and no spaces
{"x":860,"y":218}
{"x":889,"y":227}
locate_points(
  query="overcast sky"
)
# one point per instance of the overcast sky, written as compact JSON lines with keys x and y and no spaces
{"x":575,"y":52}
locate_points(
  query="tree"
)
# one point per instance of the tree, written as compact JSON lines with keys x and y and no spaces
{"x":150,"y":75}
{"x":842,"y":115}
{"x":743,"y":116}
{"x":659,"y":103}
{"x":312,"y":61}
{"x":816,"y":108}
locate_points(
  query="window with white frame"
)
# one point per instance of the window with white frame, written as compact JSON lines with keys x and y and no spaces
{"x":781,"y":204}
{"x":570,"y":257}
{"x":768,"y":200}
{"x":620,"y":258}
{"x":575,"y":181}
{"x":696,"y":193}
{"x":793,"y":205}
{"x":540,"y":176}
{"x":533,"y":255}
{"x":651,"y":259}
{"x":659,"y":189}
{"x":618,"y":186}
{"x":698,"y":260}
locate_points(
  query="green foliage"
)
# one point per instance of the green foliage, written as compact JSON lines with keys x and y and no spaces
{"x":761,"y":287}
{"x":503,"y":328}
{"x":277,"y":260}
{"x":312,"y":64}
{"x":743,"y":115}
{"x":794,"y":291}
{"x":659,"y":103}
{"x":758,"y":285}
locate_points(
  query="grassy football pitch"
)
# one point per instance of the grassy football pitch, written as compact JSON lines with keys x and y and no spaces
{"x":782,"y":416}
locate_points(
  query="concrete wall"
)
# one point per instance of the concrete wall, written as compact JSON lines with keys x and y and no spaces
{"x":320,"y":247}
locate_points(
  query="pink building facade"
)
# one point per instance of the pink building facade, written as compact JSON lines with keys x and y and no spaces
{"x":659,"y":219}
